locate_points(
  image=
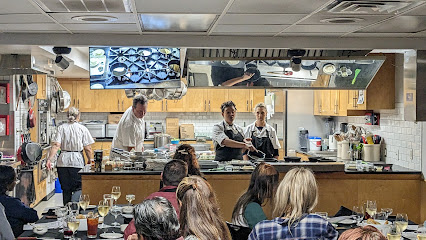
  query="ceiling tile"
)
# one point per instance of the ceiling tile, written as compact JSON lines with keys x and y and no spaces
{"x":102,"y":27}
{"x":314,"y":34}
{"x":177,"y":22}
{"x":260,"y":18}
{"x":67,"y":17}
{"x":249,"y":28}
{"x":30,"y":27}
{"x":24,"y":18}
{"x":17,"y":6}
{"x":274,"y":6}
{"x":181,"y":6}
{"x":401,"y":24}
{"x":321,"y":28}
{"x":381,"y":35}
{"x":367,"y":19}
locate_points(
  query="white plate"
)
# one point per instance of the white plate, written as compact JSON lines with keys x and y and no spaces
{"x":39,"y":231}
{"x":412,"y":227}
{"x":347,"y":221}
{"x":111,"y":235}
{"x":410,"y":235}
{"x":127,"y":215}
{"x":91,"y":207}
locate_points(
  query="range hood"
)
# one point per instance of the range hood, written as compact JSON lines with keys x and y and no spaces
{"x":11,"y":64}
{"x":273,"y":68}
{"x":414,"y":85}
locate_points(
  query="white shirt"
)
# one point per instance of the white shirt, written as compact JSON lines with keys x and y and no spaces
{"x":72,"y":137}
{"x":257,"y":133}
{"x":130,"y":132}
{"x":6,"y":232}
{"x":219,"y":132}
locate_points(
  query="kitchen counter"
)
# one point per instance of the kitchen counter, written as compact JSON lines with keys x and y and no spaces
{"x":395,"y":170}
{"x":13,"y":164}
{"x":86,"y":171}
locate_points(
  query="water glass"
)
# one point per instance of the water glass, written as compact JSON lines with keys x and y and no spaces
{"x":115,"y":211}
{"x":401,"y":221}
{"x":388,"y":212}
{"x":73,"y":208}
{"x":421,"y":232}
{"x":358,"y":211}
{"x":371,"y":208}
{"x":61,"y":212}
{"x":380,"y":216}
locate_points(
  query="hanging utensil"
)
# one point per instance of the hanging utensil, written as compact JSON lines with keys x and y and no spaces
{"x":357,"y":71}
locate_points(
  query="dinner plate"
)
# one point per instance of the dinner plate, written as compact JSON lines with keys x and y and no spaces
{"x":111,"y":235}
{"x":39,"y":230}
{"x":347,"y":221}
{"x":91,"y":207}
{"x":410,"y":235}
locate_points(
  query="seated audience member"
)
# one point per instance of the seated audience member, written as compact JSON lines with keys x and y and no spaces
{"x":200,"y":217}
{"x":248,"y":210}
{"x":16,"y":212}
{"x":186,"y":153}
{"x":174,"y":171}
{"x":362,"y":233}
{"x":6,"y":232}
{"x":296,"y":197}
{"x":156,"y":219}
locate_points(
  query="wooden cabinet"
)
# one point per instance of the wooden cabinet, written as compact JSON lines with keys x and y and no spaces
{"x":174,"y":105}
{"x":125,"y":102}
{"x":215,"y":98}
{"x":86,"y":99}
{"x":256,"y":96}
{"x":322,"y":102}
{"x":196,"y":100}
{"x":107,"y":101}
{"x":41,"y":79}
{"x":338,"y":102}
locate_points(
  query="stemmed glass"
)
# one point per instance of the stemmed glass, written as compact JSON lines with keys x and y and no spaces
{"x":371,"y":208}
{"x":73,"y":207}
{"x":116,"y":193}
{"x":130,"y":198}
{"x":358,"y":211}
{"x":73,"y":224}
{"x":388,"y":212}
{"x":401,"y":221}
{"x":115,"y":211}
{"x":61,"y":213}
{"x":84,"y":201}
{"x":103,"y":209}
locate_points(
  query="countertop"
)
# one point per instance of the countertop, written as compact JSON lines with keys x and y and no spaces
{"x":146,"y":140}
{"x":395,"y":170}
{"x":86,"y":171}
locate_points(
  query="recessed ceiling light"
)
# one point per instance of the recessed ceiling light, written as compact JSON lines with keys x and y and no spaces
{"x":342,"y":20}
{"x":94,"y":18}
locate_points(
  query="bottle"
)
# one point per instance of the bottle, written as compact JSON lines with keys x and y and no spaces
{"x":303,"y":140}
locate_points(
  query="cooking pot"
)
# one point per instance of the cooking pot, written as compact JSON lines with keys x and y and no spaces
{"x":161,"y":140}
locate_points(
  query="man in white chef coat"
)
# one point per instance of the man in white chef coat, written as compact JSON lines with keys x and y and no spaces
{"x":131,"y":128}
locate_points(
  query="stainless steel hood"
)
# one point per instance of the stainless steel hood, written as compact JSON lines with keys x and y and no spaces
{"x":11,"y":64}
{"x":415,"y":85}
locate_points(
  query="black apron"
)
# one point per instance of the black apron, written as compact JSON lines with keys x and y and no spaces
{"x":263,"y":144}
{"x":227,"y":153}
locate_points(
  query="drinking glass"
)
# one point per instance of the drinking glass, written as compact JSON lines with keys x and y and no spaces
{"x":61,"y":212}
{"x":322,"y":214}
{"x":84,"y":201}
{"x":358,"y":211}
{"x":130,"y":198}
{"x":92,"y":225}
{"x":388,"y":212}
{"x":371,"y":208}
{"x":394,"y":233}
{"x":116,"y":193}
{"x":115,"y":211}
{"x":380,"y":216}
{"x":103,"y":209}
{"x":421,"y":232}
{"x":73,"y":224}
{"x":73,"y":208}
{"x":401,"y":221}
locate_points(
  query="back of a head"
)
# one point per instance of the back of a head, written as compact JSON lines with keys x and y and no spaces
{"x":156,"y":219}
{"x":73,"y":114}
{"x":362,"y":233}
{"x":7,"y":176}
{"x":199,"y":213}
{"x":296,"y":195}
{"x":174,"y":171}
{"x":186,"y":153}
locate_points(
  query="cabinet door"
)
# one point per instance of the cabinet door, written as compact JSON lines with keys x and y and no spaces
{"x":107,"y":101}
{"x":327,"y":108}
{"x":68,"y":85}
{"x":342,"y":96}
{"x":353,"y":96}
{"x":241,"y":98}
{"x":175,"y":105}
{"x":156,"y":106}
{"x":40,"y":79}
{"x":195,"y":100}
{"x":125,"y":102}
{"x":85,"y":98}
{"x":317,"y":102}
{"x":278,"y":99}
{"x":215,"y":99}
{"x":257,"y":96}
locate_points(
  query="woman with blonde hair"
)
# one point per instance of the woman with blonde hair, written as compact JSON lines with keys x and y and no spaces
{"x":263,"y":136}
{"x":248,"y":210}
{"x":296,"y":197}
{"x":362,"y":233}
{"x":200,"y":217}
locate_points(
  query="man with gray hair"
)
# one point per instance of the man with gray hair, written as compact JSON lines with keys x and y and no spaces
{"x":131,"y":128}
{"x":156,"y":219}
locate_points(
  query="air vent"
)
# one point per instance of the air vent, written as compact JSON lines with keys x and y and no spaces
{"x":370,"y":7}
{"x":116,"y":6}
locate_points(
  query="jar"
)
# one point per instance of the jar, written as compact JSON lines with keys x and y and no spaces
{"x":314,"y":143}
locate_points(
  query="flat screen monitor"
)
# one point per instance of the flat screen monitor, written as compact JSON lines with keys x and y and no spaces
{"x":134,"y":67}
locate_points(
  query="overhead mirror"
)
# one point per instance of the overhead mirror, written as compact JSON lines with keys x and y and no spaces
{"x":308,"y":72}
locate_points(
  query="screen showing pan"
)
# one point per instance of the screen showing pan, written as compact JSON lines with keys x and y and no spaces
{"x":134,"y":67}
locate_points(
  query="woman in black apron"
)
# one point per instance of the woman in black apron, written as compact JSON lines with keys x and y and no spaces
{"x":228,"y":137}
{"x":263,"y":136}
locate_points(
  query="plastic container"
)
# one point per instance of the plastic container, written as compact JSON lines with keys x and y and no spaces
{"x":58,"y":188}
{"x":339,"y":149}
{"x":303,"y":140}
{"x":345,"y":153}
{"x":314,"y":144}
{"x":371,"y":152}
{"x":174,"y":141}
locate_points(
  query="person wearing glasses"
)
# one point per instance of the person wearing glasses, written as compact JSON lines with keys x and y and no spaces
{"x":16,"y":212}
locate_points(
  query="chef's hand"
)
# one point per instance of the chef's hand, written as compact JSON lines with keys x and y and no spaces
{"x":134,"y":236}
{"x":247,"y":140}
{"x":250,"y":147}
{"x":247,"y":76}
{"x":49,"y":164}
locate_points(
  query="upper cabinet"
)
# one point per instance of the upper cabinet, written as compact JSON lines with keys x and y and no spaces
{"x":40,"y":79}
{"x":380,"y":94}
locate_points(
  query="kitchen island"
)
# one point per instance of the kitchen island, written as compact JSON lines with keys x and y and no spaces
{"x":403,"y":190}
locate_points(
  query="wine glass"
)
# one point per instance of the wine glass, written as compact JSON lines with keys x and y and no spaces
{"x":116,"y":193}
{"x":73,"y":207}
{"x":84,"y":201}
{"x":61,"y":213}
{"x":115,"y":211}
{"x":358,"y":211}
{"x":388,"y":212}
{"x":371,"y":208}
{"x":103,"y":209}
{"x":421,"y":232}
{"x":380,"y":216}
{"x":401,"y":221}
{"x":130,"y":198}
{"x":73,"y":225}
{"x":394,"y":233}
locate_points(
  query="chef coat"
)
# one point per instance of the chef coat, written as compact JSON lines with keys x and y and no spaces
{"x":73,"y":137}
{"x":263,"y":133}
{"x":219,"y":132}
{"x":130,"y":132}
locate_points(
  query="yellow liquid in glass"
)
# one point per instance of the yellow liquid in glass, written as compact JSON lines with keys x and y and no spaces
{"x":103,"y":210}
{"x":73,"y":225}
{"x":84,"y":204}
{"x":395,"y":236}
{"x":116,"y":195}
{"x":371,"y":212}
{"x":401,"y":225}
{"x":421,"y":236}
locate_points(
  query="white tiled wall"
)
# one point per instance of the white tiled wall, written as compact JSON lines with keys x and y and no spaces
{"x":402,"y":139}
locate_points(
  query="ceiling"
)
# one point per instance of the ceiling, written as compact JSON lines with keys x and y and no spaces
{"x":267,"y":18}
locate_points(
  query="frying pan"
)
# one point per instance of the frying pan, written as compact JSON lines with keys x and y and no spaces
{"x":31,"y":152}
{"x":310,"y":67}
{"x":292,"y":159}
{"x":118,"y":69}
{"x":251,"y":68}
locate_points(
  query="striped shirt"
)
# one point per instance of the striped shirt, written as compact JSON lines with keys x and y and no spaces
{"x":310,"y":226}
